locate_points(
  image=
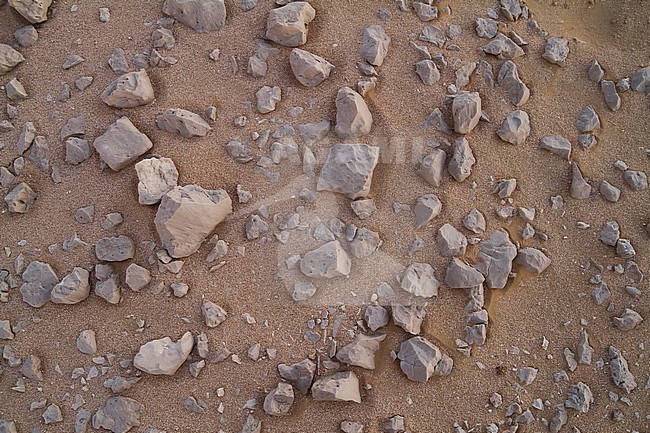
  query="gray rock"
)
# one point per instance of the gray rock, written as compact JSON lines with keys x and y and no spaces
{"x":508,"y":78}
{"x":374,"y":45}
{"x":619,"y":370}
{"x":303,"y":291}
{"x":580,"y":189}
{"x":505,"y":187}
{"x":255,"y":227}
{"x":115,"y":249}
{"x":588,"y":120}
{"x":526,"y":375}
{"x":137,"y":277}
{"x":118,"y":62}
{"x":118,"y":414}
{"x":363,"y":208}
{"x":636,"y":180}
{"x":6,"y":177}
{"x":278,"y":402}
{"x":109,"y":289}
{"x":425,"y":11}
{"x":511,"y":9}
{"x":396,"y":423}
{"x":7,"y":426}
{"x":34,"y":11}
{"x":130,"y":90}
{"x":432,"y":167}
{"x":9,"y":58}
{"x":353,"y":118}
{"x":86,"y":342}
{"x":437,"y":123}
{"x":451,"y":242}
{"x":460,"y":275}
{"x":376,"y":317}
{"x":462,"y":160}
{"x":120,"y":384}
{"x":85,"y":215}
{"x":640,"y":81}
{"x":52,"y":414}
{"x":201,"y":15}
{"x":287,"y":25}
{"x":418,"y":358}
{"x":361,"y":351}
{"x":77,"y":150}
{"x":611,"y":96}
{"x":476,"y":335}
{"x":464,"y":74}
{"x":5,"y":331}
{"x":628,"y":320}
{"x":312,"y":133}
{"x":309,"y":69}
{"x":595,"y":72}
{"x":420,"y":280}
{"x":559,"y":420}
{"x":600,"y":293}
{"x":365,"y":243}
{"x":300,"y":375}
{"x":609,"y":191}
{"x":252,"y":425}
{"x":327,"y":261}
{"x":426,"y":208}
{"x":121,"y":144}
{"x":73,"y":288}
{"x":31,"y":368}
{"x":163,"y":39}
{"x":267,"y":98}
{"x":532,"y":260}
{"x":503,"y":48}
{"x":610,"y":233}
{"x":351,"y":427}
{"x":557,"y":50}
{"x":239,"y":151}
{"x":409,"y":318}
{"x":348,"y":169}
{"x":71,"y":61}
{"x":163,"y":356}
{"x":466,"y":110}
{"x":557,"y":145}
{"x":187,"y":215}
{"x":39,"y":153}
{"x":474,"y":221}
{"x":73,"y":127}
{"x":624,"y":249}
{"x":427,"y":71}
{"x":15,"y":90}
{"x":26,"y":36}
{"x":579,"y":397}
{"x":26,"y":138}
{"x":496,"y":254}
{"x":213,"y":314}
{"x":183,"y":122}
{"x":156,"y":177}
{"x":39,"y":280}
{"x":587,"y":141}
{"x":341,"y":386}
{"x":280,"y":151}
{"x":112,"y":221}
{"x":486,"y":28}
{"x":515,"y":128}
{"x":20,"y":198}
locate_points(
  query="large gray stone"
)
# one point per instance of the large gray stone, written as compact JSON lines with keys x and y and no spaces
{"x":342,"y":386}
{"x":557,"y":49}
{"x":557,"y":145}
{"x":426,"y":208}
{"x":118,"y":414}
{"x":451,"y":242}
{"x":580,"y":189}
{"x":515,"y":128}
{"x":115,"y":249}
{"x":460,"y":275}
{"x":39,"y":280}
{"x":409,"y":318}
{"x":327,"y":261}
{"x":278,"y":402}
{"x":309,"y":69}
{"x":532,"y":260}
{"x":361,"y":351}
{"x":267,"y":98}
{"x":73,"y":288}
{"x":418,"y":358}
{"x":348,"y":169}
{"x":640,"y":80}
{"x":201,"y":15}
{"x":163,"y":356}
{"x":462,"y":160}
{"x":374,"y":45}
{"x":287,"y":25}
{"x":433,"y":166}
{"x":121,"y":144}
{"x":619,"y":370}
{"x":353,"y":118}
{"x":588,"y":120}
{"x":20,"y":199}
{"x":503,"y":48}
{"x":129,"y":90}
{"x":508,"y":78}
{"x":496,"y":254}
{"x":420,"y":280}
{"x":183,"y":122}
{"x":300,"y":374}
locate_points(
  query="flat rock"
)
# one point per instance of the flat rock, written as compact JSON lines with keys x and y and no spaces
{"x":213,"y":314}
{"x":309,"y":69}
{"x":183,"y":122}
{"x":341,"y":386}
{"x":312,"y":133}
{"x":595,"y":72}
{"x":121,"y":144}
{"x":496,"y":254}
{"x":515,"y":128}
{"x":432,"y":167}
{"x":508,"y":78}
{"x":557,"y":145}
{"x":588,"y":120}
{"x":532,"y":260}
{"x":425,"y":11}
{"x":580,"y":189}
{"x":118,"y":414}
{"x":278,"y":402}
{"x":9,"y":58}
{"x":163,"y":356}
{"x":527,"y":375}
{"x":52,"y":415}
{"x":610,"y":233}
{"x":40,"y":279}
{"x":201,"y":15}
{"x":77,"y":150}
{"x":303,"y":291}
{"x":436,"y":122}
{"x":426,"y":208}
{"x":640,"y":81}
{"x":353,"y":118}
{"x":628,"y":320}
{"x":503,"y":48}
{"x":557,"y":50}
{"x":20,"y":198}
{"x":73,"y":288}
{"x":409,"y":318}
{"x":115,"y":249}
{"x":418,"y":358}
{"x":300,"y":375}
{"x":462,"y":160}
{"x":451,"y":242}
{"x":619,"y":370}
{"x":15,"y":90}
{"x":361,"y":351}
{"x":327,"y":261}
{"x":287,"y":25}
{"x":348,"y":169}
{"x":363,"y":208}
{"x":365,"y":243}
{"x":420,"y":280}
{"x":427,"y":71}
{"x":31,"y":368}
{"x":460,"y":275}
{"x":267,"y":98}
{"x":130,"y":90}
{"x":34,"y":11}
{"x":156,"y":177}
{"x":486,"y":28}
{"x":466,"y":110}
{"x":187,"y":215}
{"x":374,"y":45}
{"x":87,"y":342}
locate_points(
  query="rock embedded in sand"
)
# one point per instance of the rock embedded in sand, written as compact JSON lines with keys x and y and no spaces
{"x":395,"y":424}
{"x":9,"y":58}
{"x":163,"y":356}
{"x":609,"y":191}
{"x":588,"y":120}
{"x":466,"y":110}
{"x":115,"y":249}
{"x":532,"y":260}
{"x":595,"y":71}
{"x":34,"y":11}
{"x":87,"y":342}
{"x":508,"y":78}
{"x":451,"y":242}
{"x":341,"y":386}
{"x":361,"y":351}
{"x":460,"y":275}
{"x":77,"y":150}
{"x":374,"y":45}
{"x":425,"y":11}
{"x":183,"y":122}
{"x":351,"y":427}
{"x":31,"y":368}
{"x":526,"y":375}
{"x":156,"y":177}
{"x":39,"y":280}
{"x":353,"y":118}
{"x":201,"y":15}
{"x":278,"y":402}
{"x":364,"y":243}
{"x":15,"y":90}
{"x":26,"y":36}
{"x":613,"y":100}
{"x":409,"y":318}
{"x":426,"y":208}
{"x":267,"y":98}
{"x":121,"y":144}
{"x":5,"y":332}
{"x":557,"y":145}
{"x":213,"y":314}
{"x":496,"y":254}
{"x":580,"y":189}
{"x":129,"y":90}
{"x":427,"y":71}
{"x":515,"y":128}
{"x":636,"y":180}
{"x":474,"y":221}
{"x":462,"y":160}
{"x":287,"y":25}
{"x":418,"y":358}
{"x":640,"y":81}
{"x":486,"y":28}
{"x":628,"y":320}
{"x":419,"y":280}
{"x":187,"y":215}
{"x":348,"y":169}
{"x":327,"y":261}
{"x":376,"y":317}
{"x":579,"y":397}
{"x":432,"y":167}
{"x":610,"y":233}
{"x":137,"y":277}
{"x":300,"y":375}
{"x":436,"y":122}
{"x":312,"y":133}
{"x":363,"y":208}
{"x":118,"y":414}
{"x":557,"y":50}
{"x":309,"y":69}
{"x":52,"y":415}
{"x":73,"y":288}
{"x":619,"y":370}
{"x":503,"y":48}
{"x":20,"y":198}
{"x":7,"y":426}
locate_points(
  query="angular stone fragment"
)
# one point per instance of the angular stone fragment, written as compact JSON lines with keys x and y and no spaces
{"x":508,"y":78}
{"x":588,"y":120}
{"x":77,"y":150}
{"x":163,"y":356}
{"x":365,"y":243}
{"x":287,"y":25}
{"x":129,"y":90}
{"x":309,"y":69}
{"x":7,"y":426}
{"x":187,"y":215}
{"x":532,"y":260}
{"x":213,"y":314}
{"x":156,"y":177}
{"x":511,"y":9}
{"x":52,"y":414}
{"x":580,"y":189}
{"x":363,"y":208}
{"x":628,"y":320}
{"x":121,"y":144}
{"x":619,"y":370}
{"x":9,"y":58}
{"x":376,"y":317}
{"x":351,"y":427}
{"x":419,"y":280}
{"x":312,"y":133}
{"x":31,"y":368}
{"x":34,"y":11}
{"x":503,"y":47}
{"x":418,"y":358}
{"x":361,"y":352}
{"x":328,"y":261}
{"x":374,"y":45}
{"x":496,"y":254}
{"x":348,"y":169}
{"x":579,"y":397}
{"x":432,"y":167}
{"x":464,"y":74}
{"x":86,"y":342}
{"x":39,"y":280}
{"x":460,"y":275}
{"x":526,"y":375}
{"x":609,"y":191}
{"x":451,"y":242}
{"x":5,"y":332}
{"x":278,"y":402}
{"x":425,"y":11}
{"x":183,"y":122}
{"x":466,"y":110}
{"x":300,"y":375}
{"x":515,"y":128}
{"x":201,"y":15}
{"x":115,"y":249}
{"x":73,"y":288}
{"x":610,"y":233}
{"x":436,"y":122}
{"x":267,"y":98}
{"x":611,"y":95}
{"x":15,"y":90}
{"x":26,"y":36}
{"x":636,"y":180}
{"x":39,"y":153}
{"x":426,"y":208}
{"x":118,"y":414}
{"x":557,"y":145}
{"x":557,"y":50}
{"x":427,"y":71}
{"x":462,"y":160}
{"x":303,"y":291}
{"x":353,"y":118}
{"x":474,"y":221}
{"x":595,"y":72}
{"x":486,"y":28}
{"x":342,"y":386}
{"x":640,"y":80}
{"x":137,"y":277}
{"x":20,"y":199}
{"x":409,"y":318}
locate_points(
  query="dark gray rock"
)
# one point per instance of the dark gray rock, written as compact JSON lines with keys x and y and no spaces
{"x":557,"y":50}
{"x":201,"y":15}
{"x":118,"y":414}
{"x":374,"y":45}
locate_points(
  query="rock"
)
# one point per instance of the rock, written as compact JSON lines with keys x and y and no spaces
{"x":425,"y":11}
{"x":361,"y":352}
{"x":579,"y":397}
{"x":376,"y":317}
{"x":121,"y":144}
{"x":341,"y":386}
{"x":309,"y":69}
{"x":156,"y":177}
{"x":526,"y":375}
{"x":432,"y":167}
{"x":636,"y":180}
{"x":130,"y":90}
{"x":460,"y":275}
{"x":85,"y":215}
{"x":462,"y":160}
{"x":239,"y":151}
{"x":303,"y":291}
{"x":280,"y":151}
{"x":73,"y":127}
{"x":328,"y":261}
{"x":418,"y":358}
{"x":595,"y":72}
{"x":9,"y":58}
{"x":15,"y":90}
{"x":34,"y":11}
{"x":52,"y":414}
{"x":588,"y":120}
{"x":115,"y":249}
{"x":137,"y":277}
{"x":39,"y":280}
{"x":213,"y":314}
{"x":201,"y":15}
{"x":163,"y":356}
{"x":619,"y":371}
{"x":396,"y":423}
{"x":486,"y":28}
{"x":20,"y":199}
{"x":267,"y":98}
{"x":255,"y":227}
{"x":73,"y":288}
{"x":580,"y":189}
{"x":609,"y":191}
{"x":7,"y":426}
{"x":107,"y":286}
{"x":5,"y":332}
{"x":557,"y":145}
{"x":287,"y":25}
{"x":427,"y":71}
{"x":532,"y":260}
{"x":624,"y":249}
{"x":118,"y":62}
{"x":73,"y":60}
{"x":118,"y":414}
{"x":409,"y":318}
{"x":557,"y":50}
{"x":505,"y":187}
{"x":419,"y":280}
{"x":503,"y":48}
{"x":112,"y":220}
{"x":374,"y":45}
{"x":312,"y":133}
{"x":252,"y":425}
{"x":300,"y":375}
{"x":451,"y":242}
{"x":511,"y":9}
{"x":496,"y":254}
{"x":464,"y":73}
{"x":120,"y":384}
{"x":351,"y":427}
{"x":509,"y":79}
{"x":26,"y":138}
{"x":365,"y":243}
{"x":348,"y":169}
{"x":474,"y":221}
{"x":278,"y":402}
{"x":640,"y":80}
{"x":183,"y":122}
{"x":426,"y":208}
{"x":31,"y":368}
{"x":515,"y":128}
{"x":610,"y":233}
{"x":363,"y":208}
{"x":77,"y":150}
{"x":26,"y":36}
{"x":353,"y":118}
{"x":86,"y":342}
{"x":585,"y":351}
{"x":612,"y":98}
{"x":39,"y":153}
{"x":466,"y":110}
{"x":187,"y":215}
{"x":628,"y":320}
{"x":436,"y":122}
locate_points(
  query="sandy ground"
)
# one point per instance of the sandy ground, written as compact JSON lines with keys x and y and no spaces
{"x":551,"y":305}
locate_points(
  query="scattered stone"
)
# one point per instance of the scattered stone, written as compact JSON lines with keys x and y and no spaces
{"x":353,"y":118}
{"x":303,"y":291}
{"x":451,"y":242}
{"x":213,"y":314}
{"x":612,"y":98}
{"x":156,"y":177}
{"x":588,"y":120}
{"x":557,"y":50}
{"x":26,"y":36}
{"x":341,"y":386}
{"x":7,"y":426}
{"x":527,"y":375}
{"x":31,"y":368}
{"x":364,"y":243}
{"x":515,"y":128}
{"x":636,"y":180}
{"x":39,"y":280}
{"x":462,"y":160}
{"x":52,"y":414}
{"x":532,"y":260}
{"x":328,"y":261}
{"x":115,"y":249}
{"x":376,"y":317}
{"x":309,"y":69}
{"x":579,"y":397}
{"x":509,"y":79}
{"x":77,"y":150}
{"x":183,"y":122}
{"x":15,"y":90}
{"x":503,"y":48}
{"x":363,"y":208}
{"x":163,"y":356}
{"x":348,"y":169}
{"x":86,"y":342}
{"x":619,"y":370}
{"x":163,"y":38}
{"x":351,"y":427}
{"x":374,"y":45}
{"x":436,"y":122}
{"x":129,"y":90}
{"x":361,"y":352}
{"x":9,"y":58}
{"x":466,"y":110}
{"x":112,"y":221}
{"x":121,"y":144}
{"x":201,"y":15}
{"x":252,"y":425}
{"x":496,"y":254}
{"x":120,"y":384}
{"x":409,"y":318}
{"x":278,"y":402}
{"x":426,"y":208}
{"x":609,"y":191}
{"x":300,"y":375}
{"x":5,"y":332}
{"x":418,"y":358}
{"x":557,"y":145}
{"x":73,"y":288}
{"x":474,"y":221}
{"x":267,"y":98}
{"x":511,"y":9}
{"x":425,"y":11}
{"x":628,"y":320}
{"x":396,"y":423}
{"x":432,"y":167}
{"x":287,"y":25}
{"x":419,"y":280}
{"x":486,"y":28}
{"x":312,"y":133}
{"x":460,"y":275}
{"x":20,"y":199}
{"x":239,"y":151}
{"x":119,"y":415}
{"x":427,"y":71}
{"x":640,"y":80}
